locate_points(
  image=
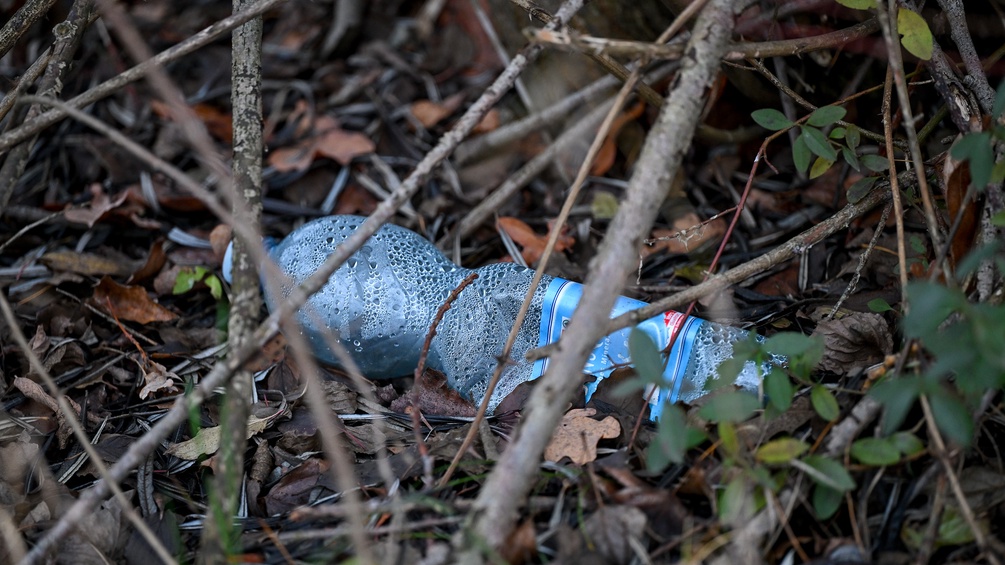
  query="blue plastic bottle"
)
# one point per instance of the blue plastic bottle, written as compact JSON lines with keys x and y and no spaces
{"x":380,"y":304}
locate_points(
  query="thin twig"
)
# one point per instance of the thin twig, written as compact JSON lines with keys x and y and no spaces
{"x":421,"y":366}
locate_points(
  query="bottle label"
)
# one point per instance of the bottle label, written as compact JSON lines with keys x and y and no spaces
{"x":560,"y":301}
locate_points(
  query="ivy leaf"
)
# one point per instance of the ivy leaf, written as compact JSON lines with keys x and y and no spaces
{"x":826,"y":115}
{"x":818,"y":144}
{"x":917,"y":38}
{"x":769,"y":118}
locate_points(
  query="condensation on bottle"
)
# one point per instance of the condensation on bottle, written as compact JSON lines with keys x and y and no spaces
{"x":380,"y":303}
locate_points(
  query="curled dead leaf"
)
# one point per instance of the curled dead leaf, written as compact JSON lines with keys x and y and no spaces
{"x":130,"y":303}
{"x":577,"y":435}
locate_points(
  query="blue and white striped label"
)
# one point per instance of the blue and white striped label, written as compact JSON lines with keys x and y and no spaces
{"x":560,"y":301}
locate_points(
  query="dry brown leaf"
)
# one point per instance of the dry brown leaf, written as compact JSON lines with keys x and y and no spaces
{"x":87,"y":264}
{"x":858,"y":339}
{"x":611,"y":529}
{"x":130,"y":303}
{"x":94,"y":210}
{"x":157,"y":378}
{"x":608,"y":151}
{"x":430,"y":113}
{"x":207,"y":440}
{"x":533,"y":244}
{"x":577,"y":436}
{"x":330,"y":140}
{"x":432,"y":395}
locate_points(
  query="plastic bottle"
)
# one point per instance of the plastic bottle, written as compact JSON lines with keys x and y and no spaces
{"x":380,"y":304}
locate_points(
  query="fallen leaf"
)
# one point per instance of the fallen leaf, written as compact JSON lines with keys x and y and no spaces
{"x":533,"y":244}
{"x":608,"y":151}
{"x":131,"y":303}
{"x":430,"y":113}
{"x":577,"y":436}
{"x":87,"y":264}
{"x":329,"y":140}
{"x":858,"y":339}
{"x":157,"y":378}
{"x":612,"y":528}
{"x":432,"y":395}
{"x":207,"y":440}
{"x":94,"y":210}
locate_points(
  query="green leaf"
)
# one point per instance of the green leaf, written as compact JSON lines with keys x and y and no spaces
{"x":826,"y":115}
{"x":907,"y":443}
{"x":875,"y":163}
{"x":931,"y":304}
{"x":897,"y":396}
{"x":999,"y":106}
{"x":860,"y":189}
{"x":853,"y":136}
{"x":851,"y":158}
{"x":952,"y":417}
{"x":215,"y":286}
{"x":817,"y":143}
{"x":829,"y":472}
{"x":781,"y":450}
{"x":779,"y":389}
{"x":826,"y":501}
{"x":820,"y":167}
{"x":824,"y":403}
{"x":769,"y":118}
{"x":916,"y":37}
{"x":838,"y":133}
{"x":801,"y":154}
{"x":670,"y":444}
{"x":186,"y":279}
{"x":645,"y":356}
{"x":727,"y":435}
{"x":879,"y":305}
{"x":858,"y":4}
{"x":875,"y":451}
{"x":730,"y":406}
{"x":998,"y":219}
{"x":977,"y":149}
